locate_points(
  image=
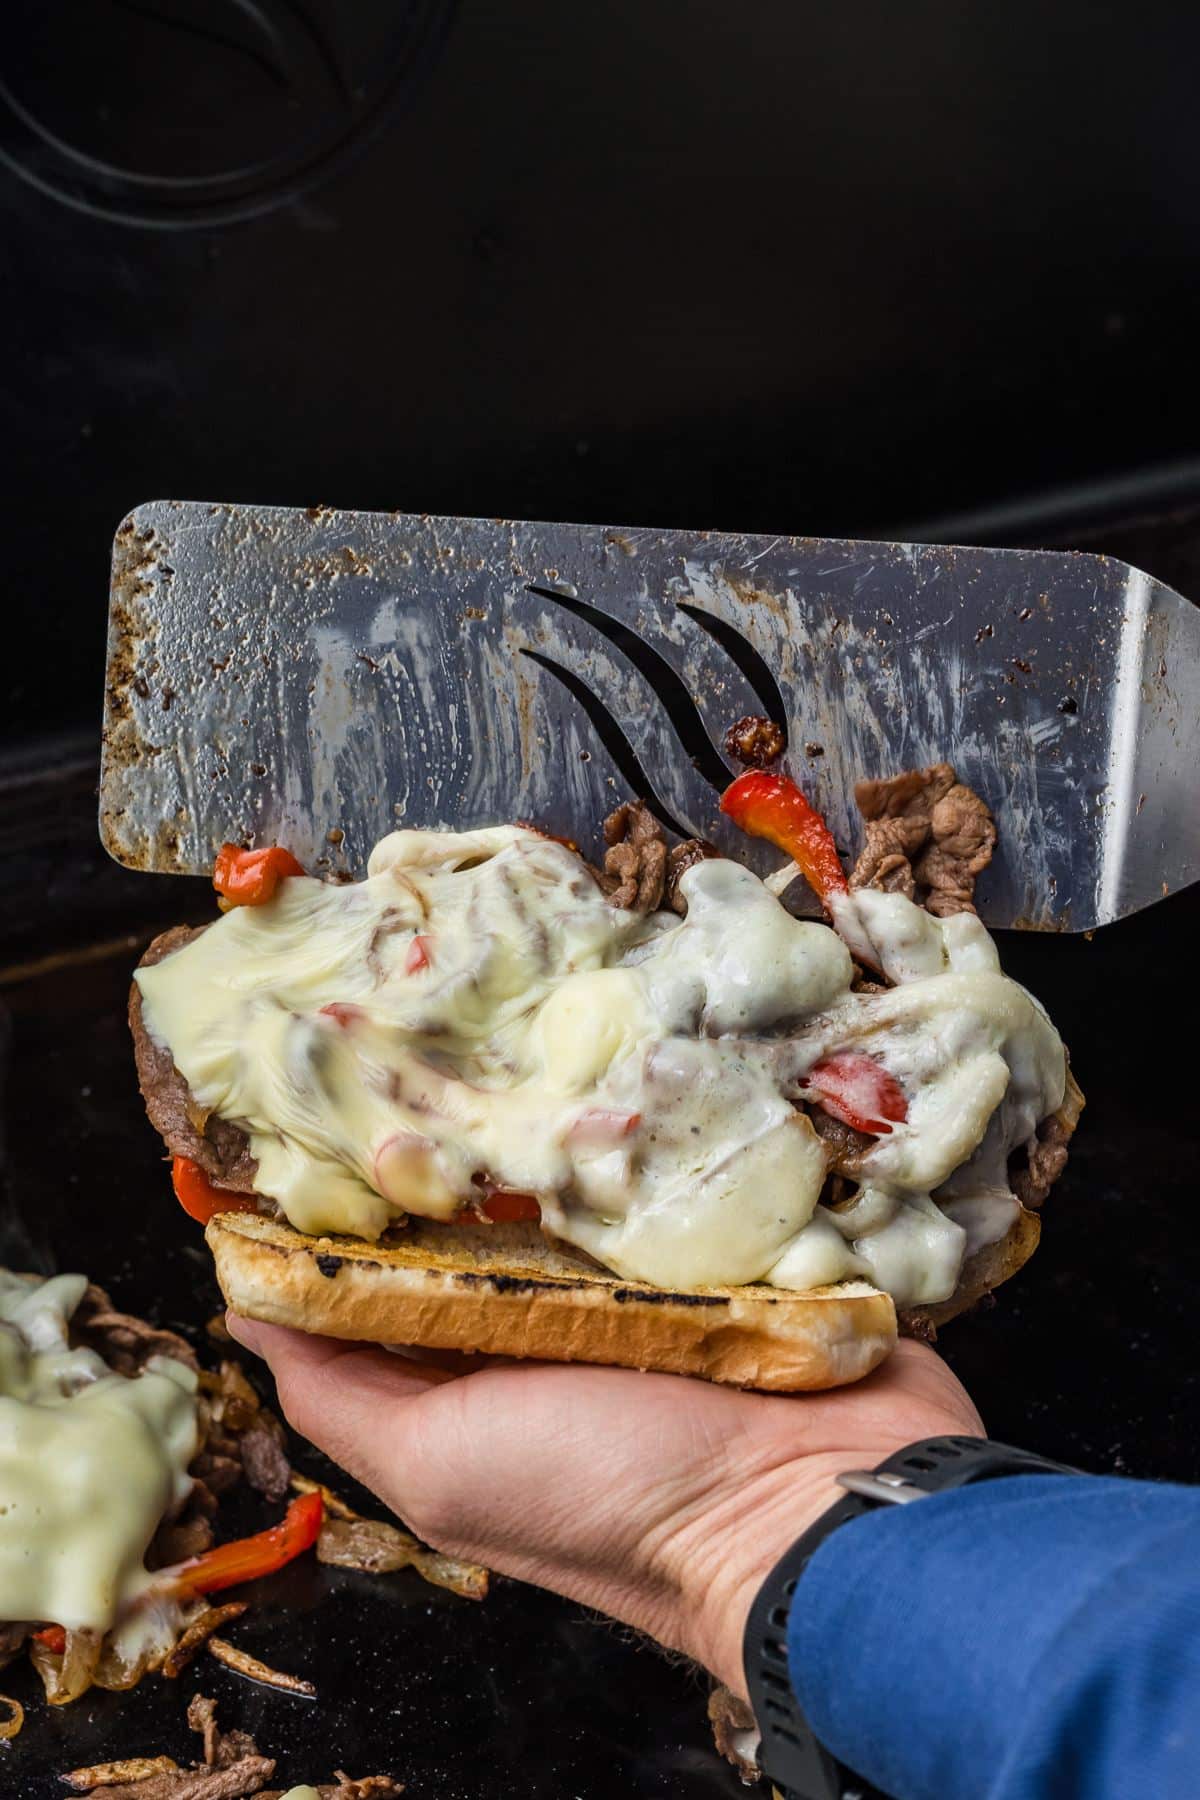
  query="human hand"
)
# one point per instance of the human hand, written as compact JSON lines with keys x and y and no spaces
{"x":660,"y":1500}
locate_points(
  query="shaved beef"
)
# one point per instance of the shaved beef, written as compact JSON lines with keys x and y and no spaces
{"x":964,"y":837}
{"x":1047,"y":1160}
{"x":235,"y":1403}
{"x":236,"y":1782}
{"x":232,"y":1770}
{"x":218,"y":1471}
{"x":190,"y":1532}
{"x":680,"y":859}
{"x":235,"y":1749}
{"x":243,"y":1436}
{"x":125,"y":1342}
{"x":221,"y":1149}
{"x":635,"y":862}
{"x":221,"y":1748}
{"x":735,"y":1732}
{"x":264,"y":1457}
{"x":844,"y":1145}
{"x":175,"y":1543}
{"x":911,"y":1323}
{"x":755,"y":742}
{"x":928,"y":837}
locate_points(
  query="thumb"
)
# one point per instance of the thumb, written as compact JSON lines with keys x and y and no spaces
{"x":348,"y":1399}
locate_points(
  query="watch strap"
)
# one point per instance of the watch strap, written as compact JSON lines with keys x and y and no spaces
{"x":800,"y":1767}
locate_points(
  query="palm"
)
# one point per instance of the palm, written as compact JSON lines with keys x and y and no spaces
{"x":630,"y":1492}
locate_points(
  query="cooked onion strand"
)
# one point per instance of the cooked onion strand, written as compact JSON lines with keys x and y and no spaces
{"x":242,"y":1663}
{"x":198,"y":1633}
{"x":131,"y":1768}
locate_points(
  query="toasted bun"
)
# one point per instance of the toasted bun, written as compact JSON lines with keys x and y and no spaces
{"x":503,"y":1290}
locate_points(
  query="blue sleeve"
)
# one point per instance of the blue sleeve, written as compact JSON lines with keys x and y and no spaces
{"x":1029,"y":1638}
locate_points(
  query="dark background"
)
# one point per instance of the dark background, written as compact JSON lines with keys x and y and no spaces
{"x":928,"y":268}
{"x":786,"y":266}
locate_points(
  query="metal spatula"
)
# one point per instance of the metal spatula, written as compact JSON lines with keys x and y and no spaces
{"x":313,"y":678}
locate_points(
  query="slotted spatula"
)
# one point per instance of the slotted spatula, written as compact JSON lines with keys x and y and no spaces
{"x":315,"y":677}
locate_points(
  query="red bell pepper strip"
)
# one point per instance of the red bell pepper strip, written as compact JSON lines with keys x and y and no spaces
{"x":772,"y":807}
{"x":245,"y":1559}
{"x":343,"y":1013}
{"x":503,"y":1208}
{"x":202,"y":1199}
{"x":417,"y":956}
{"x":54,"y":1638}
{"x":859,"y":1091}
{"x":250,"y":877}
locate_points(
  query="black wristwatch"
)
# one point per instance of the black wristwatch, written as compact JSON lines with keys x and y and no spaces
{"x":799,"y":1767}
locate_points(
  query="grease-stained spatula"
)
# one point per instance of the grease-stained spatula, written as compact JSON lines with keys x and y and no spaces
{"x":313,"y":678}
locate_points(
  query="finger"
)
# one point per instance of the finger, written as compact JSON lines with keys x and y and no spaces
{"x":347,"y":1399}
{"x":307,"y":1351}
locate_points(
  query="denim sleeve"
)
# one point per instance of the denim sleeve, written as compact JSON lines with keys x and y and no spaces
{"x":1029,"y":1638}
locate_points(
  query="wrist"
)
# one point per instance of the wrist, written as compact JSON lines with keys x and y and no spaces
{"x":733,"y":1549}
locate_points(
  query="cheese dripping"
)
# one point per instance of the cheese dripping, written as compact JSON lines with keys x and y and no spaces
{"x":90,"y":1462}
{"x":475,"y":1009}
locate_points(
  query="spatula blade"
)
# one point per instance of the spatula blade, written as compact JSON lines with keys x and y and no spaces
{"x":315,"y":677}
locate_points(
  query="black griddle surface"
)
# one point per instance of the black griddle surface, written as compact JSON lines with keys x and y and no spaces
{"x":1089,"y":1355}
{"x":520,"y":1694}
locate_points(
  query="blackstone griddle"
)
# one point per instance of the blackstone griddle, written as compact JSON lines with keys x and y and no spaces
{"x":1089,"y":1355}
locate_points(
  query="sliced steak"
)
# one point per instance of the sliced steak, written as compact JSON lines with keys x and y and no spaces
{"x":245,"y":1777}
{"x":221,"y":1149}
{"x":176,"y":1543}
{"x":124,"y":1341}
{"x":221,"y":1748}
{"x":264,"y":1456}
{"x":844,"y":1145}
{"x":1047,"y":1158}
{"x":928,"y":837}
{"x":217,"y":1470}
{"x":963,"y":839}
{"x":681,"y":858}
{"x":735,"y":1732}
{"x":635,"y":862}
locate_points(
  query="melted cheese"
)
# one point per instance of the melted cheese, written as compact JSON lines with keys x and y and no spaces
{"x":90,"y":1462}
{"x":637,"y":1074}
